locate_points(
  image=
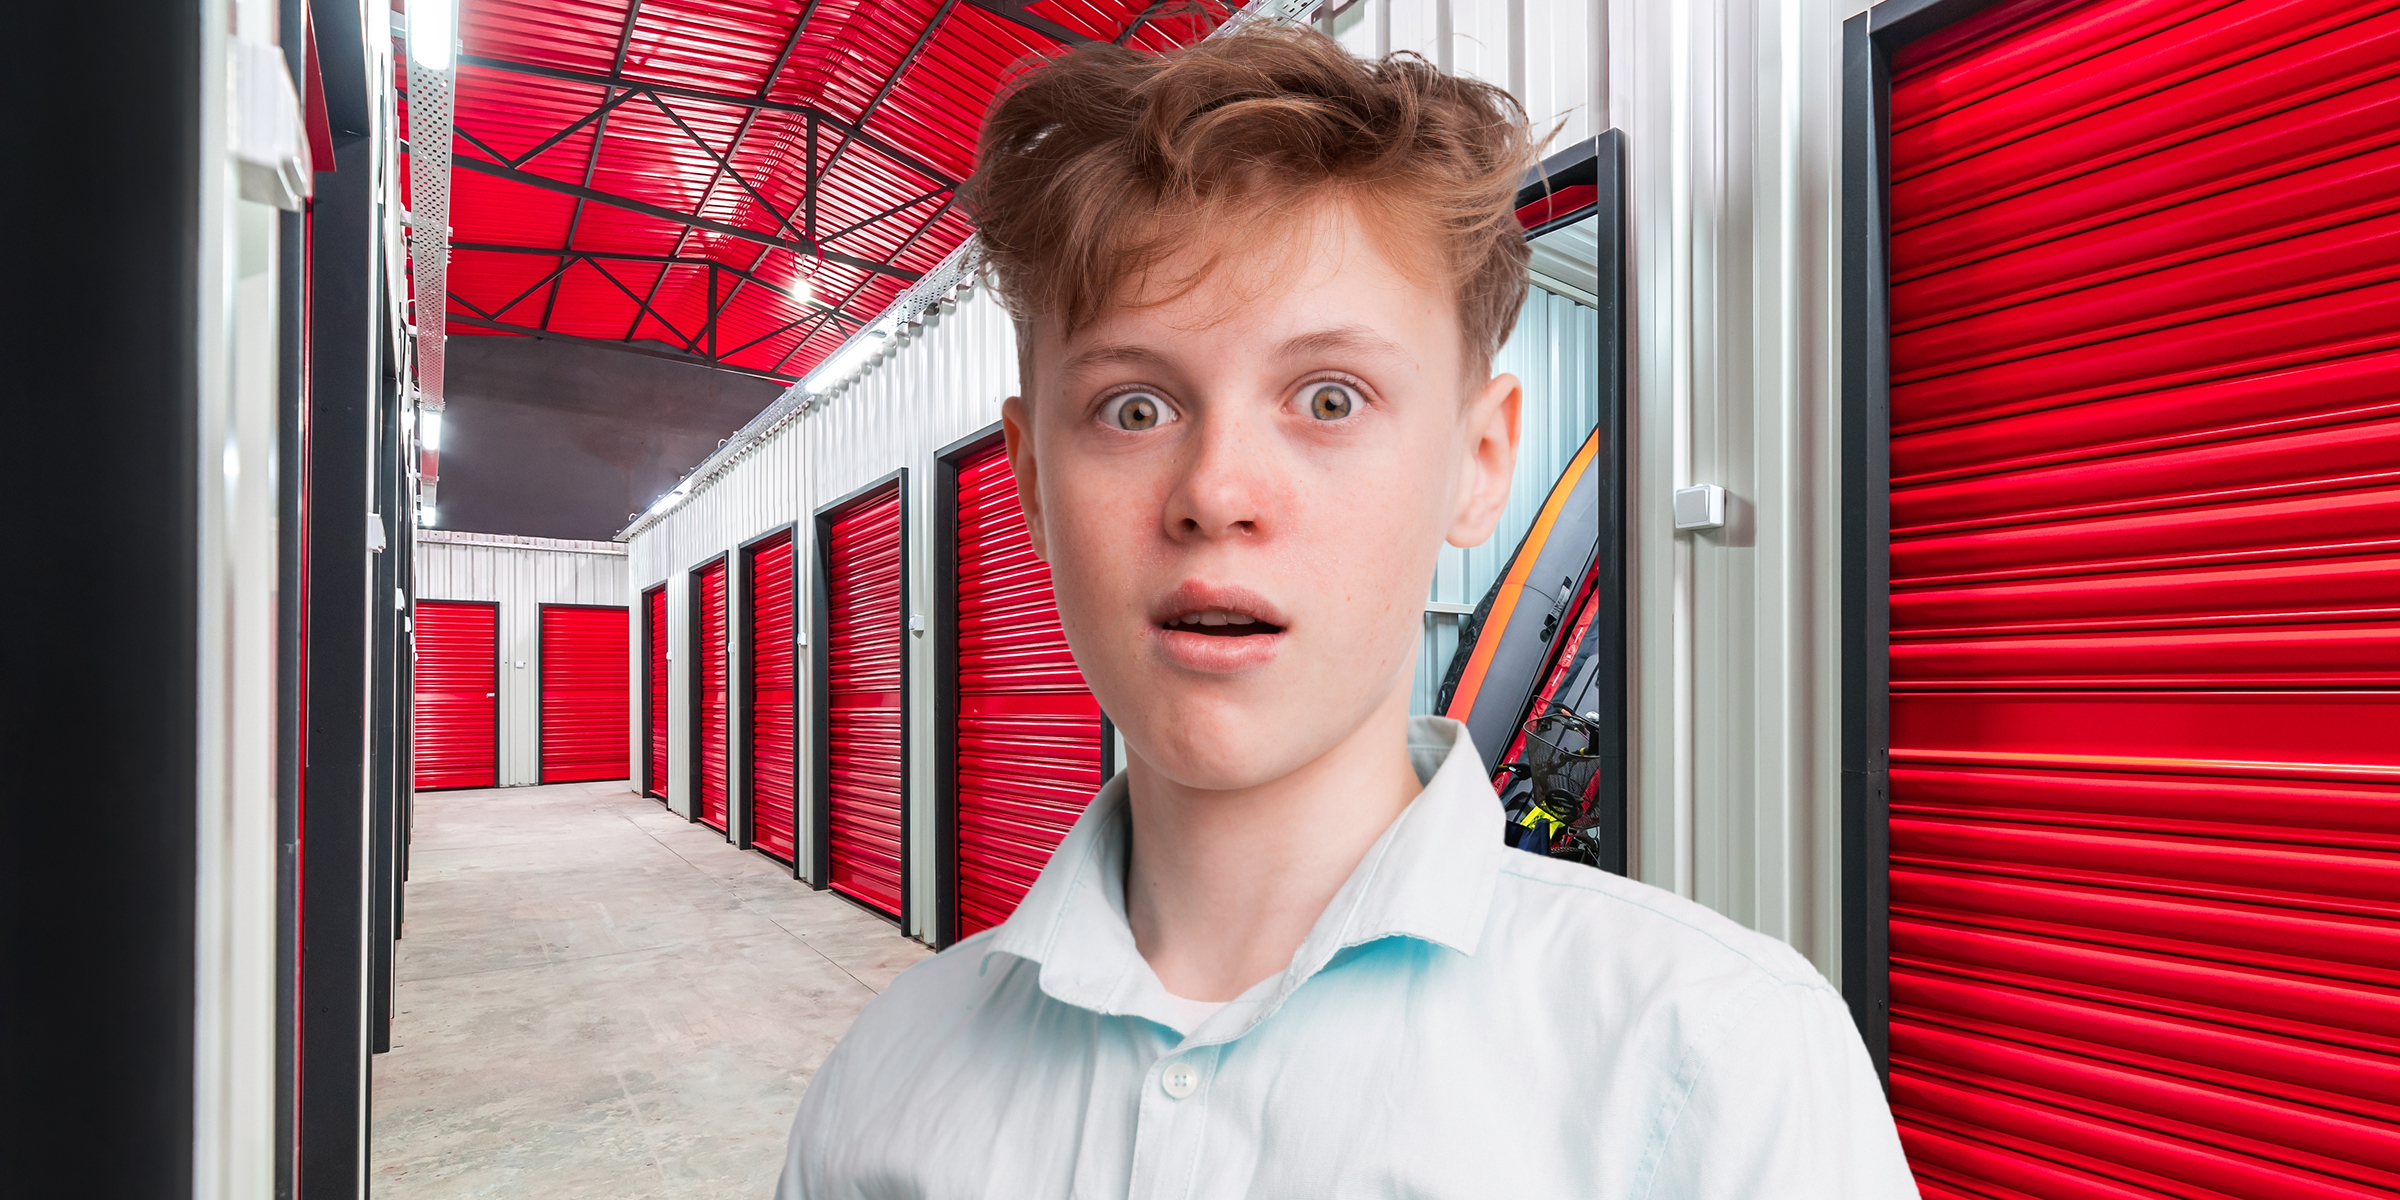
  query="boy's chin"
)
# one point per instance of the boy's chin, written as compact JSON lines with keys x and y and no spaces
{"x":1227,"y":747}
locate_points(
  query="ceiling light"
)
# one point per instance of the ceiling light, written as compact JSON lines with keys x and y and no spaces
{"x":429,"y":429}
{"x":433,"y":33}
{"x":801,"y":292}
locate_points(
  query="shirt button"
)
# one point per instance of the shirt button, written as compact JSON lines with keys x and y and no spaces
{"x":1180,"y":1080}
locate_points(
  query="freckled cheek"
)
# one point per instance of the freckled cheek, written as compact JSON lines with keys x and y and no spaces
{"x":1099,"y":535}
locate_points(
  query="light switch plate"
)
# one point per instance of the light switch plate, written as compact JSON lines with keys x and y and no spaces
{"x":1701,"y":507}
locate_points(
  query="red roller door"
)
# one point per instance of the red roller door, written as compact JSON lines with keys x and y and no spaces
{"x":862,"y":702}
{"x":2145,"y":661}
{"x":708,"y":692}
{"x":584,"y":703}
{"x":654,"y":602}
{"x":1028,"y":732}
{"x":457,"y":719}
{"x":771,"y":709}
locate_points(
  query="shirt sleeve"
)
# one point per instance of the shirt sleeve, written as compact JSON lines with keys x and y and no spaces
{"x":1785,"y":1104}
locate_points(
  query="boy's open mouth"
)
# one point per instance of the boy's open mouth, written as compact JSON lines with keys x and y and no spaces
{"x":1221,"y":622}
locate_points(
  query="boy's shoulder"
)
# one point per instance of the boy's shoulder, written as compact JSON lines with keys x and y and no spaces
{"x":1592,"y":921}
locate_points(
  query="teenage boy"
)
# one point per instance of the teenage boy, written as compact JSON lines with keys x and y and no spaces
{"x":1258,"y":286}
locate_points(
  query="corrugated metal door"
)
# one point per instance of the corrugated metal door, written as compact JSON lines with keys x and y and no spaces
{"x":656,"y":603}
{"x":584,"y":693}
{"x":1028,"y":731}
{"x":772,"y":713}
{"x":457,"y":688}
{"x":862,"y":703}
{"x":2145,"y":663}
{"x":708,"y":693}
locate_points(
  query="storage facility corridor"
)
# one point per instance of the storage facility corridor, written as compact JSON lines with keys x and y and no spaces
{"x":527,"y":620}
{"x":597,"y":998}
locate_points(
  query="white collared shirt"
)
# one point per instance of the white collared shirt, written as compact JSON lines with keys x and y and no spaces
{"x":1464,"y":1020}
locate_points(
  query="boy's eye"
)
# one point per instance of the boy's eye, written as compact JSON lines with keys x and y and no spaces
{"x":1136,"y":411}
{"x":1330,"y":401}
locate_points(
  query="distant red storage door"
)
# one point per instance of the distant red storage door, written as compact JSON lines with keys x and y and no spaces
{"x":771,"y":709}
{"x":708,"y":695}
{"x":1028,"y":728}
{"x":457,"y":717}
{"x":862,"y":703}
{"x":2145,"y":662}
{"x":656,"y":603}
{"x":585,"y":670}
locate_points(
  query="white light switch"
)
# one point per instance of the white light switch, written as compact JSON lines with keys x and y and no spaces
{"x":1701,"y":507}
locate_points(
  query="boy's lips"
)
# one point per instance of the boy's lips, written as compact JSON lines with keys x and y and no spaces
{"x":1218,"y":628}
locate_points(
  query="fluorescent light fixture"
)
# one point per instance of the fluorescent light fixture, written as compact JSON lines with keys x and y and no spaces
{"x":433,"y":33}
{"x":429,"y":429}
{"x":425,"y":517}
{"x":846,"y":361}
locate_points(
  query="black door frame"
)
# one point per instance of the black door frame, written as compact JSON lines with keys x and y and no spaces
{"x":746,"y":561}
{"x":541,"y":660}
{"x":1869,"y":40}
{"x":691,"y":689}
{"x":820,"y":751}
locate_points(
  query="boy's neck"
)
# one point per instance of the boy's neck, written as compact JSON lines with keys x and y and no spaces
{"x":1223,"y":885}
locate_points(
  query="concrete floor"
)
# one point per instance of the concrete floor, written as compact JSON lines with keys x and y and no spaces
{"x":597,"y":998}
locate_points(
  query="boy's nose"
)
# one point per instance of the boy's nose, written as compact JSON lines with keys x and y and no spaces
{"x":1225,"y":484}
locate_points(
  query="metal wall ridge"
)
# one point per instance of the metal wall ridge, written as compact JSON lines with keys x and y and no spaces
{"x":454,"y":537}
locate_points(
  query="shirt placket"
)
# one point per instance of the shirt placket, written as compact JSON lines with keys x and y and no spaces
{"x":1172,"y":1126}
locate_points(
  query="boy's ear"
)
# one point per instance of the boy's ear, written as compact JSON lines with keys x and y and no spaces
{"x":1491,"y":428}
{"x":1016,"y":432}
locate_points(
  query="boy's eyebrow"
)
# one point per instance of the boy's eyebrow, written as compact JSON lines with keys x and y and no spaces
{"x":1357,"y":339}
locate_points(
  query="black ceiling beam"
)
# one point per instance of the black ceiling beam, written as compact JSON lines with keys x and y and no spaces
{"x":605,"y":108}
{"x":733,"y":146}
{"x":562,"y":75}
{"x":841,"y":306}
{"x":815,"y":307}
{"x":890,"y":83}
{"x":591,"y":160}
{"x":673,"y":217}
{"x":1015,"y":14}
{"x":666,"y":352}
{"x":865,"y":114}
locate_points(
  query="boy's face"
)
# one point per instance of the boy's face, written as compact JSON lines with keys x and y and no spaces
{"x":1242,"y":493}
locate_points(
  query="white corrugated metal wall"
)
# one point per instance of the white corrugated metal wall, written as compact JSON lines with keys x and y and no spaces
{"x":1731,"y":110}
{"x":522,"y":574}
{"x":945,"y":381}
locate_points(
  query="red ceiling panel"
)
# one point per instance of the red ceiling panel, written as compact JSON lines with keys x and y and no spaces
{"x":889,"y":95}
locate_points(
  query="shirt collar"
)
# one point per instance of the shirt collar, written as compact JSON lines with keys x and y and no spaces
{"x":1430,"y":876}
